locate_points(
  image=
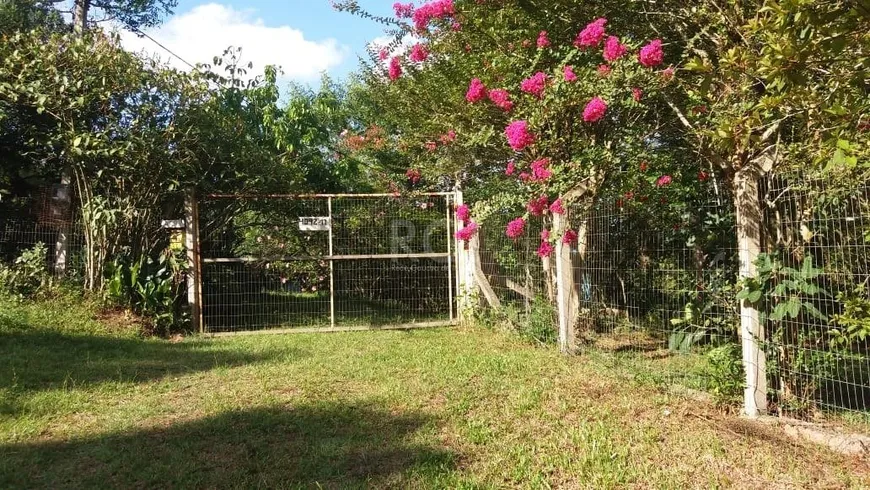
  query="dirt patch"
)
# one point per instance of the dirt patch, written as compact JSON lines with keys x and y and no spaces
{"x":123,"y":321}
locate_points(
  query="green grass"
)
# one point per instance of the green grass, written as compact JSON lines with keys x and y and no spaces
{"x":87,"y":403}
{"x":286,"y":310}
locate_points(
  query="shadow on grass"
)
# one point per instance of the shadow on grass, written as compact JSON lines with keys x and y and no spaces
{"x":331,"y":444}
{"x":33,"y":360}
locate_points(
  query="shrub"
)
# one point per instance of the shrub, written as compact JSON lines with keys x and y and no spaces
{"x":725,"y":373}
{"x":28,"y":274}
{"x":150,"y":287}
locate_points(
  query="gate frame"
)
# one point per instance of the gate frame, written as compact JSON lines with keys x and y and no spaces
{"x":455,"y":260}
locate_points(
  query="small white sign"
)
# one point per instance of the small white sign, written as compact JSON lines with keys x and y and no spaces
{"x":172,"y":224}
{"x":314,"y":223}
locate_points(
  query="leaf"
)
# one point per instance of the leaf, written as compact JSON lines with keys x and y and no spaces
{"x":779,"y":312}
{"x":754,"y":296}
{"x":793,"y":307}
{"x":813,"y":311}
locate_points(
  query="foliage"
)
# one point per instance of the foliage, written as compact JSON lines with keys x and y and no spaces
{"x":28,"y":274}
{"x":778,"y":81}
{"x":698,"y":326}
{"x":152,"y":288}
{"x":133,"y":134}
{"x":786,"y":291}
{"x":852,"y":326}
{"x":724,"y":373}
{"x":495,"y":45}
{"x":132,"y":14}
{"x":23,"y":15}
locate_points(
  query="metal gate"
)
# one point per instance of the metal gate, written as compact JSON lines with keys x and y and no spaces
{"x":325,"y":262}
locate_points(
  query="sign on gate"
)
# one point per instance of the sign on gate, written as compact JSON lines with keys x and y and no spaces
{"x":314,"y":223}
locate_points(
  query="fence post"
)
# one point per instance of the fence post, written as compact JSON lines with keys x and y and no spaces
{"x":191,"y":245}
{"x":450,"y":239}
{"x":463,"y":265}
{"x":564,"y":286}
{"x":331,"y":268}
{"x":61,"y":211}
{"x":749,"y":226}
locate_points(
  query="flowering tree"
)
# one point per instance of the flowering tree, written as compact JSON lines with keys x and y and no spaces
{"x":546,"y":102}
{"x":544,"y":108}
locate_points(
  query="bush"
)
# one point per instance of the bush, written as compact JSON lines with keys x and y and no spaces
{"x":28,"y":275}
{"x":150,"y":287}
{"x":725,"y":373}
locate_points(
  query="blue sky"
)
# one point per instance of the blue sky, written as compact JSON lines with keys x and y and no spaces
{"x":305,"y":37}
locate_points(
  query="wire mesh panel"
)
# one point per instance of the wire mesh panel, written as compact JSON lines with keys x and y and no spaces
{"x":656,"y":286}
{"x":658,"y":290}
{"x":813,"y":280}
{"x":39,"y":222}
{"x":519,"y":277}
{"x":326,"y":261}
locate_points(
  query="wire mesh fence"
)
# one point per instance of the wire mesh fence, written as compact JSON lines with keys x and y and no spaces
{"x":815,"y":301}
{"x":658,"y":289}
{"x":40,"y":222}
{"x":326,"y":261}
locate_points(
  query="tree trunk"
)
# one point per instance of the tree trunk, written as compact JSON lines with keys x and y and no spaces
{"x":80,"y":15}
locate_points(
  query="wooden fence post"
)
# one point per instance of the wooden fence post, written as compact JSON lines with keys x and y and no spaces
{"x":191,"y":245}
{"x":749,"y":225}
{"x":565,"y":288}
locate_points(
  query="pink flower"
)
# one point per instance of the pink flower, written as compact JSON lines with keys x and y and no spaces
{"x":456,"y":27}
{"x":651,"y":55}
{"x":511,"y":168}
{"x":570,"y":237}
{"x":515,"y":228}
{"x":383,"y":54}
{"x":668,"y":73}
{"x":395,"y":68}
{"x":538,"y":207}
{"x":403,"y":11}
{"x":613,"y":49}
{"x":525,"y":177}
{"x":545,"y":250}
{"x":663,"y":180}
{"x":467,"y":232}
{"x":448,"y":137}
{"x":603,"y":70}
{"x":540,"y":171}
{"x":476,"y":91}
{"x":543,"y":40}
{"x":419,"y":53}
{"x":437,"y":9}
{"x":413,"y":175}
{"x":702,"y":176}
{"x":431,"y":145}
{"x":594,"y":110}
{"x":591,"y":35}
{"x":556,"y":207}
{"x":636,"y":94}
{"x":518,"y":135}
{"x":463,"y":213}
{"x":545,"y":234}
{"x":526,"y":43}
{"x":535,"y":84}
{"x":568,"y":73}
{"x":501,"y":98}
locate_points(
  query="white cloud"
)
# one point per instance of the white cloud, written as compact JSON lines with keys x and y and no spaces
{"x":204,"y":32}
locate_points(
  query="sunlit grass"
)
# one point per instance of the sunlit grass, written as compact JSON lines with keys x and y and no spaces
{"x":87,"y":403}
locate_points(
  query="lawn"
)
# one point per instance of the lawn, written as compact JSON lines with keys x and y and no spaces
{"x":85,"y":402}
